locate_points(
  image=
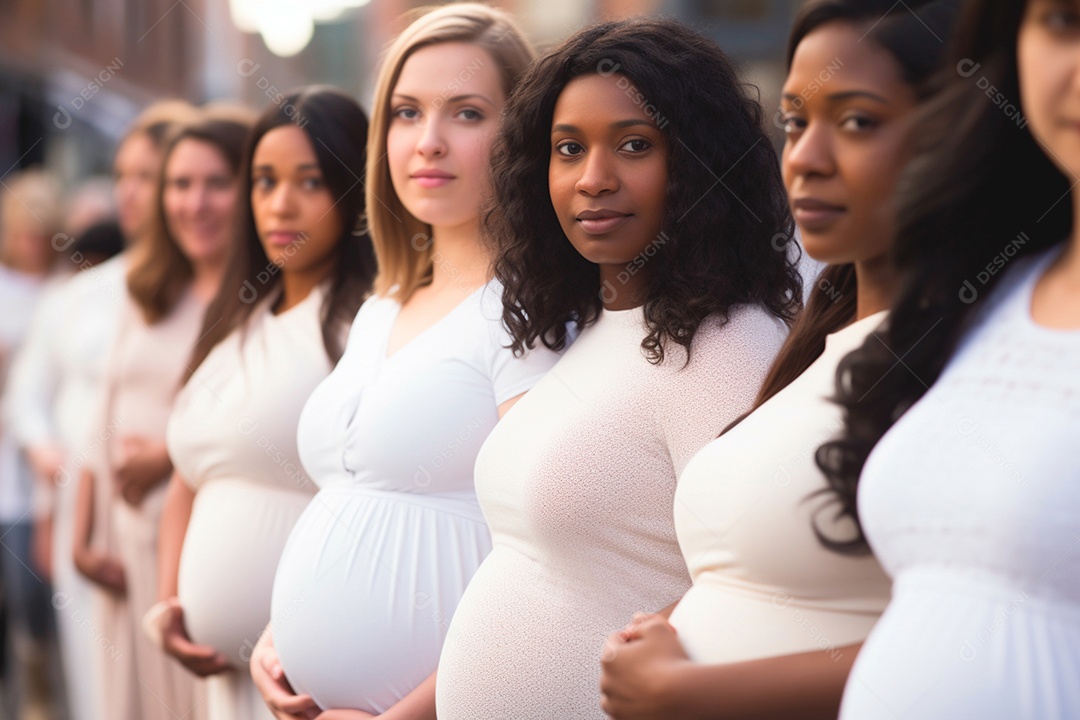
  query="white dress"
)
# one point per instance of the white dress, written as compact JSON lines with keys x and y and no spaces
{"x":54,"y":384}
{"x":577,"y":484}
{"x":374,"y":568}
{"x":972,"y":503}
{"x":763,"y":584}
{"x":232,"y":436}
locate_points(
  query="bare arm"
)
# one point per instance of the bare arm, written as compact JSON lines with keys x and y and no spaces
{"x":173,"y":526}
{"x":99,"y":568}
{"x":652,"y":678}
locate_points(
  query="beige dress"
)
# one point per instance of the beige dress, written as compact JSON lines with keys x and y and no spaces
{"x":146,"y":366}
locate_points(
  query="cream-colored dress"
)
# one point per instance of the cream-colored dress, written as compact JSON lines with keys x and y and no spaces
{"x":577,"y":484}
{"x":763,"y":584}
{"x":232,"y":436}
{"x":146,"y":366}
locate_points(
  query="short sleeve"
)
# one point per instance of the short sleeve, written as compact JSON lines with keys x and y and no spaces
{"x":510,"y":375}
{"x":733,"y":357}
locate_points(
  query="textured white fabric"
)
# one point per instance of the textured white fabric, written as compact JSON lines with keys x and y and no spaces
{"x":763,"y":584}
{"x":54,"y":387}
{"x":376,"y":564}
{"x":232,"y":436}
{"x":577,"y":484}
{"x":972,"y":503}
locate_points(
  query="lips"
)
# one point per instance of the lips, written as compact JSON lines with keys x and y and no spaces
{"x":602,"y":221}
{"x":815,"y":215}
{"x":432,"y":177}
{"x":282,"y":238}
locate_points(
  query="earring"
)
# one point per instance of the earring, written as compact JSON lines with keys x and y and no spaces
{"x":361,"y":228}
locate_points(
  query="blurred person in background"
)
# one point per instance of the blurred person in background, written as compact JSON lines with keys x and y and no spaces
{"x":174,"y":272}
{"x":57,"y":376}
{"x":30,"y":215}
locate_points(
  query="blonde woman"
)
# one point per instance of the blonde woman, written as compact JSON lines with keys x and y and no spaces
{"x":375,"y":566}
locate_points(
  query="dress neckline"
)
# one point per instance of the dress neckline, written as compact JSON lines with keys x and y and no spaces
{"x":384,"y":357}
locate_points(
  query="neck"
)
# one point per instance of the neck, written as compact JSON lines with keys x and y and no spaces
{"x":619,"y":290}
{"x":296,"y":286}
{"x":459,"y":258}
{"x":875,"y":286}
{"x":206,"y":280}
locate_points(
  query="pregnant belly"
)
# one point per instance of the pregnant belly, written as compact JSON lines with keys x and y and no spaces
{"x":234,"y":539}
{"x":365,"y":591}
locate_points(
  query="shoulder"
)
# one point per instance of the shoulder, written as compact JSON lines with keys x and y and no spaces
{"x":746,"y":329}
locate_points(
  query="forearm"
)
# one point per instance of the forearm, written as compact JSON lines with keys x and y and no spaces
{"x":179,"y":499}
{"x":806,"y":686}
{"x":417,"y":705}
{"x":84,"y":514}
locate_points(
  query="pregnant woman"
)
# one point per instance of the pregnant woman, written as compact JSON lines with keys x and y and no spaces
{"x":682,"y":300}
{"x":775,"y":618}
{"x":374,"y":568}
{"x":174,"y":274}
{"x":971,"y":499}
{"x":302,"y":267}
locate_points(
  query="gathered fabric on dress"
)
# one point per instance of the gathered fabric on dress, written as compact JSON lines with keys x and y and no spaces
{"x":971,"y":501}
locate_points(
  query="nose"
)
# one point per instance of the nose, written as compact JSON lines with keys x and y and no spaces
{"x":281,"y":199}
{"x":431,"y":142}
{"x":811,"y":152}
{"x":598,"y":174}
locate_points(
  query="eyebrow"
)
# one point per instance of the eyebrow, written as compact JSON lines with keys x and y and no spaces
{"x":305,"y":166}
{"x":454,"y":99}
{"x":633,"y":122}
{"x":841,"y":96}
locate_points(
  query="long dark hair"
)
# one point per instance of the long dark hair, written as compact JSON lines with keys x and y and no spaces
{"x":717,"y":236}
{"x":337,"y":128}
{"x":914,"y":35}
{"x":160,"y":272}
{"x":979,"y":183}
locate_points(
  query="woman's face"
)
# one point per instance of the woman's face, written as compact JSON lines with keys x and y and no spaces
{"x":294,"y":211}
{"x":200,"y":198}
{"x":444,"y":114}
{"x":608,"y":180}
{"x":137,"y":164}
{"x":1048,"y":59}
{"x":848,"y":114}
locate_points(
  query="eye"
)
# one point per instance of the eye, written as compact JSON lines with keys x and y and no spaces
{"x":407,"y":113}
{"x":262,"y":183}
{"x":859,"y":123}
{"x":792,"y":124}
{"x":470,"y":114}
{"x":637,"y":145}
{"x":1061,"y":19}
{"x":311,"y":183}
{"x":569,"y":149}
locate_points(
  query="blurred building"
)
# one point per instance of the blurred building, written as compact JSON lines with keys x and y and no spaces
{"x":74,"y":72}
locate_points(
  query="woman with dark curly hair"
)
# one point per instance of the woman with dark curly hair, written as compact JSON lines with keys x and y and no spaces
{"x":774,"y":620}
{"x":657,"y":244}
{"x":969,"y":397}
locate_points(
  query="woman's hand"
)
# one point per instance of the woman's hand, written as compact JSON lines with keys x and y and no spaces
{"x":101,"y":570}
{"x":142,"y":463}
{"x":639,"y":666}
{"x":270,"y":680}
{"x":202,"y":660}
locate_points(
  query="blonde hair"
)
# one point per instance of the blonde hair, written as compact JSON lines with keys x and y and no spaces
{"x":31,"y":202}
{"x":402,"y":242}
{"x":158,"y":119}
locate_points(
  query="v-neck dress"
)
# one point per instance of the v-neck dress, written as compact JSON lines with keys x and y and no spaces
{"x":375,"y":566}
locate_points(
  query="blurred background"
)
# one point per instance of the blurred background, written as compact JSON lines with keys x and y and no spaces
{"x":73,"y":73}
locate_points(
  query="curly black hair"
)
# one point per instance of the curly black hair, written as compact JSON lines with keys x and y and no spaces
{"x":978,"y":180}
{"x":725,"y":200}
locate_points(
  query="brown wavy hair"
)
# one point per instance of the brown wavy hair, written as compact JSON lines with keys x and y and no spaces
{"x":717,"y":250}
{"x":160,"y":272}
